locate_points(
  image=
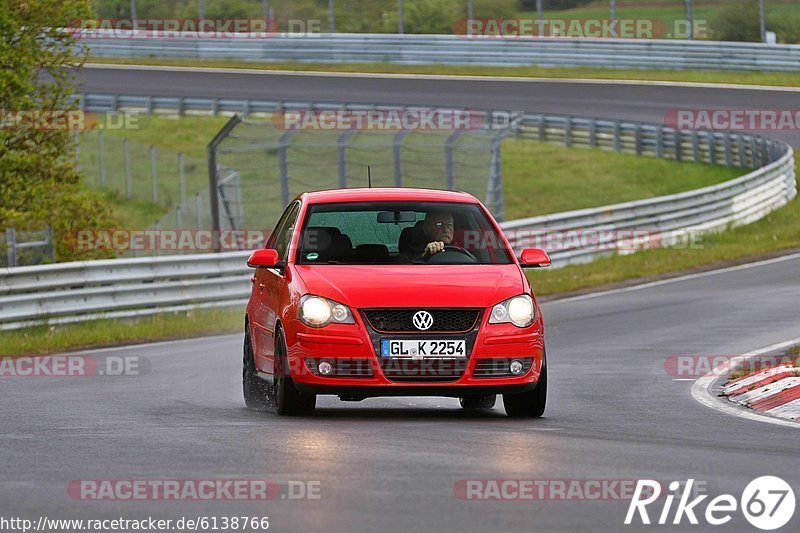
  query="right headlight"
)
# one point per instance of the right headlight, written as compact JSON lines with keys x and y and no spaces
{"x":518,"y":310}
{"x":316,"y":311}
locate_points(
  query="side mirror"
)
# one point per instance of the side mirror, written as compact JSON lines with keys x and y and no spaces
{"x":264,"y":258}
{"x":534,"y":257}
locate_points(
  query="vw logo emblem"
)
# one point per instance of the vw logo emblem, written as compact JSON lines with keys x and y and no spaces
{"x":422,"y":320}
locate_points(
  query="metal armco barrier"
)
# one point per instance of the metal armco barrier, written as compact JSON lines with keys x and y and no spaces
{"x":69,"y":292}
{"x":460,"y":50}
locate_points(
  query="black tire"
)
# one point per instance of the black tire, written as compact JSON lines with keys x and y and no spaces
{"x":288,"y":400}
{"x":254,"y":388}
{"x":528,"y":404}
{"x":478,"y":402}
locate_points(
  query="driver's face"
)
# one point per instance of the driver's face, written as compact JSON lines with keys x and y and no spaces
{"x":440,"y":228}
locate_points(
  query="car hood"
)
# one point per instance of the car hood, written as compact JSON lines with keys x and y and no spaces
{"x":365,"y":286}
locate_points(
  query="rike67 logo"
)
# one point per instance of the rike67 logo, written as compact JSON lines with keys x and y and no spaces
{"x":767,"y":503}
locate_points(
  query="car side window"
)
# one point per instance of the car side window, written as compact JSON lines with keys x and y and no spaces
{"x":284,"y":235}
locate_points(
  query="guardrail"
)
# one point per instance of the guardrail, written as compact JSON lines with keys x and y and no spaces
{"x":70,"y":292}
{"x":459,"y":50}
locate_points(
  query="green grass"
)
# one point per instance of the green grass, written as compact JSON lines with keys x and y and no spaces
{"x":100,"y":333}
{"x":780,"y":230}
{"x":782,"y":79}
{"x":541,"y":178}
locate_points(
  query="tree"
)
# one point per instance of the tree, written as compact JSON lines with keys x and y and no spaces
{"x":39,"y":184}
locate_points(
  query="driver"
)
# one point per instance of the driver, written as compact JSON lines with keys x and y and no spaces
{"x":437,"y":232}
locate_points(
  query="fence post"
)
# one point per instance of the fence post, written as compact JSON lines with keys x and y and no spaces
{"x":153,"y":174}
{"x":637,"y":139}
{"x":213,"y":191}
{"x":712,"y":148}
{"x":128,"y":177}
{"x":568,"y":132}
{"x":102,"y":148}
{"x":197,"y":206}
{"x":11,"y":247}
{"x":397,"y":146}
{"x":341,"y":151}
{"x":592,"y":133}
{"x":283,"y":163}
{"x":182,"y":177}
{"x":696,"y":146}
{"x":542,"y":128}
{"x":448,"y":160}
{"x":616,"y":136}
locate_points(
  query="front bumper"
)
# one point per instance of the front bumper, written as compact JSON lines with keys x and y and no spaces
{"x":359,"y":343}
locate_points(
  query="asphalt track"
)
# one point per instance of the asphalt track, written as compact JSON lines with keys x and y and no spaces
{"x":614,"y":412}
{"x":645,"y":103}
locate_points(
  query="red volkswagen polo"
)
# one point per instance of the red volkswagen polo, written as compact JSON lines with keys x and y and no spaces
{"x":392,"y":292}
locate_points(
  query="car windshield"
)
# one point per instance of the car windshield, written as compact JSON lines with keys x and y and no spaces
{"x":400,"y":233}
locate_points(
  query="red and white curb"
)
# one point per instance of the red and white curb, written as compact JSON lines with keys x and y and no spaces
{"x":771,"y":395}
{"x":774,"y":391}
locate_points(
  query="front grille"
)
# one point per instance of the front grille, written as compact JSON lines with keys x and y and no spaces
{"x":400,"y":369}
{"x":499,"y":367}
{"x":342,"y":368}
{"x":449,"y":320}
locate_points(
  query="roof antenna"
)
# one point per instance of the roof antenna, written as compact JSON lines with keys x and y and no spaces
{"x":369,"y":176}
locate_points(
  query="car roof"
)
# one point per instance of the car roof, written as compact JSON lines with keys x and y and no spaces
{"x":383,"y":194}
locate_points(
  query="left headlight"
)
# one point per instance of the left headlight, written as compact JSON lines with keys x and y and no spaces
{"x":518,"y":310}
{"x":316,"y":311}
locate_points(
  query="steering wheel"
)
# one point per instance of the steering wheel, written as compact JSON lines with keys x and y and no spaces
{"x":451,"y":248}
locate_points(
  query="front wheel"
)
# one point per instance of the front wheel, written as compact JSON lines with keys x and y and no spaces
{"x":288,"y":400}
{"x":478,"y":402}
{"x":528,"y":404}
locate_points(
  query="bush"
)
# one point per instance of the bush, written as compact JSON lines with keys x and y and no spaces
{"x":787,"y":28}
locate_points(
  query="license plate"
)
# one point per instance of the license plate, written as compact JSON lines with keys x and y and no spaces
{"x":422,"y":349}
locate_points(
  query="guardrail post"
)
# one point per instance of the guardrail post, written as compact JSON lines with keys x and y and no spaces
{"x":128,"y":177}
{"x":712,"y":148}
{"x":153,"y":173}
{"x":592,"y":133}
{"x":696,"y":146}
{"x":102,"y":156}
{"x":678,"y":145}
{"x":752,"y":151}
{"x":568,"y":132}
{"x":50,"y":248}
{"x":397,"y":147}
{"x":728,"y":150}
{"x":616,"y":136}
{"x":740,"y":150}
{"x":11,"y":247}
{"x":637,"y":139}
{"x":542,"y":128}
{"x":660,"y":142}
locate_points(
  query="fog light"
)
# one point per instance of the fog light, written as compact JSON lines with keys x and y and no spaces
{"x":325,"y":368}
{"x":515,"y":367}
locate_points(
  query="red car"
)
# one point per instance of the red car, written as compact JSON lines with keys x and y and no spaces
{"x":392,"y":292}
